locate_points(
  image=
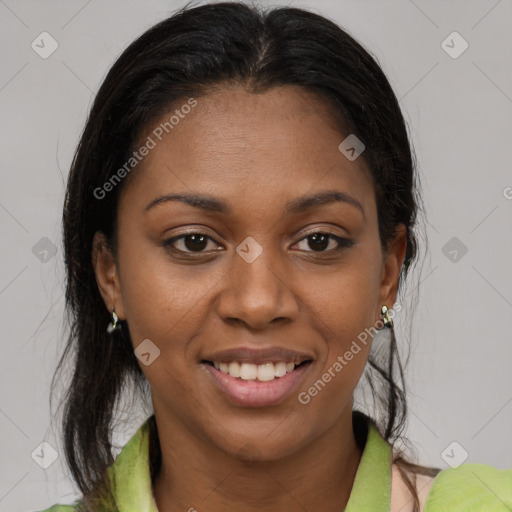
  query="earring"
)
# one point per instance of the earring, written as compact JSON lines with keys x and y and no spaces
{"x":114,"y":325}
{"x":386,"y":317}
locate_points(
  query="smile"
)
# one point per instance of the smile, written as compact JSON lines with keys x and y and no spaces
{"x":246,"y":388}
{"x":261,"y":372}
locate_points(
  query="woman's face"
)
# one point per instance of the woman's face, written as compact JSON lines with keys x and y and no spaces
{"x":254,"y":277}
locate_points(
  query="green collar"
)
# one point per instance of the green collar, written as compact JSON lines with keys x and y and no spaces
{"x":371,"y":490}
{"x":372,"y":484}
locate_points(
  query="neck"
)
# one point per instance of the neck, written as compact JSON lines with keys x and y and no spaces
{"x":194,"y":475}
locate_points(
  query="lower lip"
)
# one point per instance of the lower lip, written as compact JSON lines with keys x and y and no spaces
{"x":254,"y":393}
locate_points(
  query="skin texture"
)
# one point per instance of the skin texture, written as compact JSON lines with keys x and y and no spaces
{"x":256,"y":152}
{"x":401,"y":498}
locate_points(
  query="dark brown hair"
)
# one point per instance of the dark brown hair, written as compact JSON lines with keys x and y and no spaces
{"x":184,"y":56}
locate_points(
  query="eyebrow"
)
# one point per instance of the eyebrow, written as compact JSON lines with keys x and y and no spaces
{"x":298,"y":205}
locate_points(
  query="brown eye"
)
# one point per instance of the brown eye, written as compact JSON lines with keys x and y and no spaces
{"x":190,"y":242}
{"x":319,"y":241}
{"x":195,"y":243}
{"x":325,"y":242}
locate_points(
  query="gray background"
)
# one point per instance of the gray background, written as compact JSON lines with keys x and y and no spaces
{"x":459,"y":112}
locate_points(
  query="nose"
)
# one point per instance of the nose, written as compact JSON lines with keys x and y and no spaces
{"x":257,"y":294}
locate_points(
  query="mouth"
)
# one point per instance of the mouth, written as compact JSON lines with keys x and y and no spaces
{"x":251,"y":385}
{"x":256,"y":372}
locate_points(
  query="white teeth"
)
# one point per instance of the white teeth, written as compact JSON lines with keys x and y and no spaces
{"x":266,"y":372}
{"x":234,"y":369}
{"x":248,"y":371}
{"x":280,"y":369}
{"x":263,"y":372}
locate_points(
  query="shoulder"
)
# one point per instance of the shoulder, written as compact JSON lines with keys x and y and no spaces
{"x":62,"y":508}
{"x":471,"y":487}
{"x":401,"y":498}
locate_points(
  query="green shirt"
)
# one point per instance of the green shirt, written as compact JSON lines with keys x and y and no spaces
{"x":467,"y":488}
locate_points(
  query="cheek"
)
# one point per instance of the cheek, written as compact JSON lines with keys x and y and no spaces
{"x":343,"y":314}
{"x":159,"y":299}
{"x":345,"y":299}
{"x":163,"y":304}
{"x":343,"y":309}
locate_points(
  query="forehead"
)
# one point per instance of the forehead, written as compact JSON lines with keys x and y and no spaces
{"x":241,"y":146}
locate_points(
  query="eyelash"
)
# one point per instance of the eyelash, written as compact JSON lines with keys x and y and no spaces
{"x":343,"y":243}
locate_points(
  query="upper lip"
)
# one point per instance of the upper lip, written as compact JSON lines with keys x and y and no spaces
{"x":258,"y":355}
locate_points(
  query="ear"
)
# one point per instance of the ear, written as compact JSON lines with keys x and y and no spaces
{"x":105,"y":268}
{"x":393,"y":259}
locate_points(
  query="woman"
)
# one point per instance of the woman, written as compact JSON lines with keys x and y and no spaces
{"x":239,"y":215}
